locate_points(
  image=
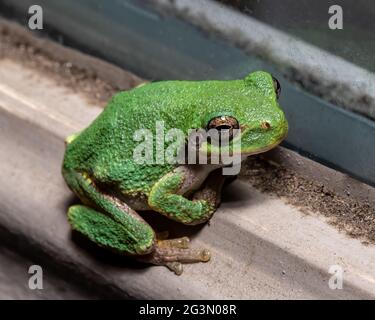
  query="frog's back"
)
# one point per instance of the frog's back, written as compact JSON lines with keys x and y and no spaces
{"x":106,"y":148}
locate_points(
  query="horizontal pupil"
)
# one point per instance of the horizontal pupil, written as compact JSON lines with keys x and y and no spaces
{"x":223,"y":127}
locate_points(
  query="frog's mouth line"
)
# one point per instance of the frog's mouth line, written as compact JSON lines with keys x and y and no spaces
{"x":244,"y":153}
{"x":267,"y":148}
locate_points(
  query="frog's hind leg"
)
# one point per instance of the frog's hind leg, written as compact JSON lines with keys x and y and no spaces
{"x":115,"y":226}
{"x":109,"y":234}
{"x":172,"y":253}
{"x":103,"y":230}
{"x":112,"y":224}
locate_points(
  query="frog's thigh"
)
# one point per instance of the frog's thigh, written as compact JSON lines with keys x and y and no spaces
{"x":166,"y":197}
{"x":102,"y":230}
{"x":115,"y":226}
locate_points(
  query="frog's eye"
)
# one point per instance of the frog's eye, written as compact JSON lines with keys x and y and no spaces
{"x":224,"y":123}
{"x":276,"y":85}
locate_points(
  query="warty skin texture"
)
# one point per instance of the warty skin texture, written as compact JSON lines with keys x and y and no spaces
{"x":99,"y":167}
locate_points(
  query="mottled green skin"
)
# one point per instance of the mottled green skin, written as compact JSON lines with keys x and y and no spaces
{"x":101,"y":157}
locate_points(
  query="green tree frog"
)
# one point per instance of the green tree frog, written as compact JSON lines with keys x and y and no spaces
{"x":99,"y":165}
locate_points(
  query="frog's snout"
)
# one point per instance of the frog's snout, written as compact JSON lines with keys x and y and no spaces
{"x":280,"y":127}
{"x":276,"y":128}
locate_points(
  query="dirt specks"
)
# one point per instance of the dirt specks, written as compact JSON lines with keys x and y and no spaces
{"x":62,"y":64}
{"x":357,"y":219}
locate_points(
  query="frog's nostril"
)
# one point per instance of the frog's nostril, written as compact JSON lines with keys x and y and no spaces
{"x":265,"y":125}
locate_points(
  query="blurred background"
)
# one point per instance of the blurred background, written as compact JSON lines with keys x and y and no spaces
{"x":355,"y":42}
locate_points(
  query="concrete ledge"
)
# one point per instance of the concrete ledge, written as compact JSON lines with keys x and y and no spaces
{"x":14,"y":278}
{"x":74,"y":67}
{"x":262,"y":247}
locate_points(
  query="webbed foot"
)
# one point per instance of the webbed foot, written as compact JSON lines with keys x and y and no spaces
{"x":173,"y":253}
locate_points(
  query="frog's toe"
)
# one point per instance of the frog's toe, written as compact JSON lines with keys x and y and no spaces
{"x":176,"y":267}
{"x":173,"y":253}
{"x":182,"y":243}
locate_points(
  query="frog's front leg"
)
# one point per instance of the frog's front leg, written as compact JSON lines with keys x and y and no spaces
{"x":169,"y":194}
{"x":168,"y":198}
{"x":211,"y":189}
